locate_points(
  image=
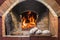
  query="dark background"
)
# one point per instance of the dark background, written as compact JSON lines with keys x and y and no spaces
{"x":28,"y":38}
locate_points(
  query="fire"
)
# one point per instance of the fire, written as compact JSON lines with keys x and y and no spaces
{"x":30,"y":24}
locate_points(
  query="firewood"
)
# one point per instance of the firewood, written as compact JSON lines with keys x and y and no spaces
{"x":33,"y":30}
{"x":38,"y":32}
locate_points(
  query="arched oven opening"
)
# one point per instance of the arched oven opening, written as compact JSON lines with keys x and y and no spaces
{"x":26,"y":16}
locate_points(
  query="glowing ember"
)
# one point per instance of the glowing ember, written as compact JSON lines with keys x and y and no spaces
{"x":28,"y":22}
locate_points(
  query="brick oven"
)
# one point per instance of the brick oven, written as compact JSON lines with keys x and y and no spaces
{"x":22,"y":16}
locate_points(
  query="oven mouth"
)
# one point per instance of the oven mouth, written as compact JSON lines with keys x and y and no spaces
{"x":38,"y":10}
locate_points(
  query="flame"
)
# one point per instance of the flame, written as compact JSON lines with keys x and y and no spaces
{"x":30,"y":24}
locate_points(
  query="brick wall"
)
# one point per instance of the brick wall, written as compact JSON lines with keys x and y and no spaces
{"x":1,"y":1}
{"x":58,"y":1}
{"x":5,"y":6}
{"x":21,"y":38}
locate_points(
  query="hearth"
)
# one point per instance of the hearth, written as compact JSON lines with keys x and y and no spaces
{"x":28,"y":18}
